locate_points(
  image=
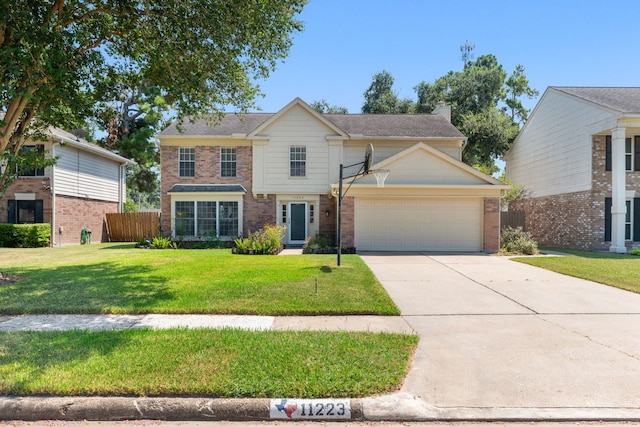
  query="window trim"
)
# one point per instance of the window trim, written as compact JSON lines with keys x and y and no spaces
{"x":186,"y":164}
{"x":218,"y":198}
{"x":224,"y":160}
{"x":633,"y":220}
{"x":298,"y":161}
{"x":13,"y":211}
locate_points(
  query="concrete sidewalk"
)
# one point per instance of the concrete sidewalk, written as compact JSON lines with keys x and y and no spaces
{"x":504,"y":340}
{"x":60,"y":322}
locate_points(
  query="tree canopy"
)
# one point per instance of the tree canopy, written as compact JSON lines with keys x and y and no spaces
{"x":485,"y":103}
{"x":201,"y":55}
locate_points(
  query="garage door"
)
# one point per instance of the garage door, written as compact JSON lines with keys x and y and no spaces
{"x":418,"y":224}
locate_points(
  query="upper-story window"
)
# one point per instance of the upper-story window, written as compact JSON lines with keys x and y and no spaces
{"x":631,"y":153}
{"x":228,"y":161}
{"x":187,"y":161}
{"x":298,"y":160}
{"x":25,"y":170}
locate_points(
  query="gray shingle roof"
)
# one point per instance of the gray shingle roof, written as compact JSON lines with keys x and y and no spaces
{"x":372,"y":125}
{"x":622,"y":99}
{"x":207,"y":188}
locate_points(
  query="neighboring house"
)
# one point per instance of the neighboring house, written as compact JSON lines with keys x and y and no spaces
{"x":578,"y":158}
{"x":232,"y":178}
{"x":86,"y":183}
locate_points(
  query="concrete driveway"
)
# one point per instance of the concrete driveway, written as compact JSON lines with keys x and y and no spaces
{"x":500,"y":339}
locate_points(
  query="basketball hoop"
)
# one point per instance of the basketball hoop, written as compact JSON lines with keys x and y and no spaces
{"x":381,"y":175}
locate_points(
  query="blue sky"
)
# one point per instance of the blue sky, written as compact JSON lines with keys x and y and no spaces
{"x":560,"y":43}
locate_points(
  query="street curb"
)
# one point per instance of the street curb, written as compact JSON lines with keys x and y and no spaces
{"x":395,"y":407}
{"x":144,"y":408}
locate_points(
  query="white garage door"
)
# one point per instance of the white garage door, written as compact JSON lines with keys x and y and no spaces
{"x":418,"y":224}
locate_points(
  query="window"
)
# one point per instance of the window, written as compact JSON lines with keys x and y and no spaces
{"x":26,"y":171}
{"x":631,"y":220}
{"x":631,"y":153}
{"x":298,"y":161}
{"x":206,"y":218}
{"x":187,"y":162}
{"x":228,"y":162}
{"x":25,"y":211}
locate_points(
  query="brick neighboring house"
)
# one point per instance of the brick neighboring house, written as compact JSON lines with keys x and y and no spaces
{"x":578,"y":158}
{"x":244,"y":172}
{"x":85,"y":183}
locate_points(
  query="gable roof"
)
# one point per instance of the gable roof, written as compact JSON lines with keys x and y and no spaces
{"x":370,"y":125}
{"x":621,"y":99}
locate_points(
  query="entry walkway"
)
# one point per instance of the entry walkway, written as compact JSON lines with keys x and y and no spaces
{"x":504,"y":340}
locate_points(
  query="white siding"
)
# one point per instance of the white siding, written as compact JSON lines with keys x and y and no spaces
{"x":354,"y":150}
{"x":553,"y":153}
{"x":82,"y":174}
{"x":296,"y":128}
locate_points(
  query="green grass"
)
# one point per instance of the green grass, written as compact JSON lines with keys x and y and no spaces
{"x":200,"y":362}
{"x":620,"y":271}
{"x":118,"y":279}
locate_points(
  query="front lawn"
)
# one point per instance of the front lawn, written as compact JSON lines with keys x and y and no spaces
{"x":118,"y":279}
{"x":201,"y":362}
{"x":620,"y":271}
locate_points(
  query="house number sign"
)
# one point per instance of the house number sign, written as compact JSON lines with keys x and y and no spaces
{"x":298,"y":197}
{"x":310,"y":409}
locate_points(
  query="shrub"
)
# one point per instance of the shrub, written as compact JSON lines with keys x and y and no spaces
{"x":160,"y":242}
{"x":266,"y":241}
{"x":25,"y":235}
{"x":635,"y":252}
{"x":517,"y":241}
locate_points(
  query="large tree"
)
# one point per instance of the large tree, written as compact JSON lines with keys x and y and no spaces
{"x":485,"y":105}
{"x":381,"y":99}
{"x":202,"y":55}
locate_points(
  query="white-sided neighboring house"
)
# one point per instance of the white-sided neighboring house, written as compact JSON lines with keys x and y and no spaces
{"x":578,"y":158}
{"x":235,"y":176}
{"x":86,"y":183}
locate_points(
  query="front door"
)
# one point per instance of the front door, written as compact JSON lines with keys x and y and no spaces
{"x":297,"y":223}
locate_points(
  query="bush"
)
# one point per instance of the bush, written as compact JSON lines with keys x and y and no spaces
{"x":160,"y":242}
{"x":517,"y":241}
{"x":266,"y":241}
{"x":25,"y":235}
{"x":635,"y":252}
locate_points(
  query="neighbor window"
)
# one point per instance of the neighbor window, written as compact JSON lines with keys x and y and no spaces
{"x":631,"y":153}
{"x":31,"y":171}
{"x":187,"y":162}
{"x":298,"y":161}
{"x":25,"y":211}
{"x":631,"y":219}
{"x":228,"y":162}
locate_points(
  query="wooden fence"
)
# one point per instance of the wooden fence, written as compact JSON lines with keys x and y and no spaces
{"x":132,"y":226}
{"x":513,"y":219}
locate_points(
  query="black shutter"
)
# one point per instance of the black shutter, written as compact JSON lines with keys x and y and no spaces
{"x":636,"y":219}
{"x":11,"y":211}
{"x":636,"y":156}
{"x":607,"y":219}
{"x":607,"y":161}
{"x":39,"y":214}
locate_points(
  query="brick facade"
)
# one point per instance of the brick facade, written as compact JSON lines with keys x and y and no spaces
{"x":576,"y":220}
{"x":491,"y":226}
{"x":72,"y":213}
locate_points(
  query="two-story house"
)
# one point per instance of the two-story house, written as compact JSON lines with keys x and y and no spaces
{"x":246,"y":171}
{"x":578,"y":158}
{"x":86,"y":183}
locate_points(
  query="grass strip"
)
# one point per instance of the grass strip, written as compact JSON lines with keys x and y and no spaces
{"x":203,"y":362}
{"x":118,"y":279}
{"x":617,"y":270}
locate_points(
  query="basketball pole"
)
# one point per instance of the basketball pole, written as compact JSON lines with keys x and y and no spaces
{"x":339,"y":248}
